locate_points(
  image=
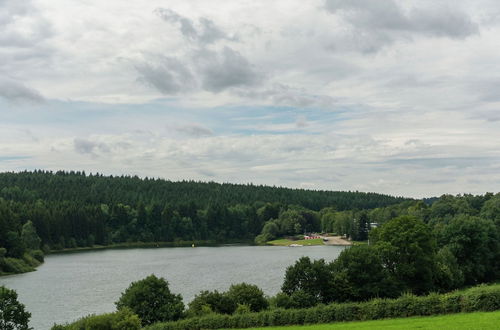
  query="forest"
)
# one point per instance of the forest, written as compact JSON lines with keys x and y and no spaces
{"x":42,"y":211}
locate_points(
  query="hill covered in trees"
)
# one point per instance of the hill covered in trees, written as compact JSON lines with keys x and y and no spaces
{"x":46,"y":210}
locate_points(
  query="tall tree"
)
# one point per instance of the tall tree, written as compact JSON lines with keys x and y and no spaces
{"x":29,"y":236}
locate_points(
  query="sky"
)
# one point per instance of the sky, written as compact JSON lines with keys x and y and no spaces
{"x":388,"y":96}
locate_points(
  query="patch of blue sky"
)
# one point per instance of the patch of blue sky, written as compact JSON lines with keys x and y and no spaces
{"x":275,"y":120}
{"x":12,"y":158}
{"x":91,"y":117}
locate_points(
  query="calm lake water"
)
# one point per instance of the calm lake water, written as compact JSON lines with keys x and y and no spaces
{"x":69,"y":286}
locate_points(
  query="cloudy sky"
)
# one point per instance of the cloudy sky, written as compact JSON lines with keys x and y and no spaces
{"x":398,"y":97}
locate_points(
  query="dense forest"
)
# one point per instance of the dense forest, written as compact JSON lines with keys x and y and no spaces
{"x":51,"y":211}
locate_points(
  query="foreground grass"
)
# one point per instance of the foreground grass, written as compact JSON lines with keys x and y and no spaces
{"x":304,"y":242}
{"x":483,"y":320}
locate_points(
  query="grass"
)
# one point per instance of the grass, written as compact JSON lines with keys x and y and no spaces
{"x":304,"y":242}
{"x":480,"y":320}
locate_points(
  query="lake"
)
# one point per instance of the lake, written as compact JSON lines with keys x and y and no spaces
{"x":69,"y":286}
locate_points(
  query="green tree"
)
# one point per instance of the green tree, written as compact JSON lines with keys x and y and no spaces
{"x":29,"y":236}
{"x":15,"y":246}
{"x":312,"y":277}
{"x":408,"y":248}
{"x":491,"y":209}
{"x":269,"y":232}
{"x":359,"y":274}
{"x":475,"y":244}
{"x":248,"y":294}
{"x":12,"y":313}
{"x":152,"y":300}
{"x":449,"y":276}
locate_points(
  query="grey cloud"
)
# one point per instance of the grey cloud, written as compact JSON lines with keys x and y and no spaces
{"x":486,"y":89}
{"x":84,"y":146}
{"x":375,"y":24}
{"x":205,"y":32}
{"x":225,"y":69}
{"x":168,"y":75}
{"x":491,"y":116}
{"x":286,"y":95}
{"x":16,"y":92}
{"x":195,"y":130}
{"x":213,"y":71}
{"x":440,"y":162}
{"x":26,"y":35}
{"x":199,"y":67}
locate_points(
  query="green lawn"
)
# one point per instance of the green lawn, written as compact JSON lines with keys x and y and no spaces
{"x":304,"y":242}
{"x":488,"y":320}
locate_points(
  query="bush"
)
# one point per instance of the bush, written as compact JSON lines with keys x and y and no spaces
{"x":481,"y":298}
{"x":248,"y":294}
{"x":15,"y":266}
{"x":38,"y":255}
{"x":242,"y":309}
{"x":123,"y":319}
{"x":30,"y":260}
{"x":152,"y":301}
{"x":214,"y":301}
{"x":298,"y":299}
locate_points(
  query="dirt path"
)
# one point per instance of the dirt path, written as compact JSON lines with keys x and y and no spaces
{"x":335,"y":240}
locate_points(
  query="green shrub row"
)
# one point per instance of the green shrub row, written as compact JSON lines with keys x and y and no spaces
{"x":480,"y":298}
{"x":122,"y":320}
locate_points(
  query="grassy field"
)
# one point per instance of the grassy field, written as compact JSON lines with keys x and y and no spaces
{"x":304,"y":242}
{"x":487,"y":320}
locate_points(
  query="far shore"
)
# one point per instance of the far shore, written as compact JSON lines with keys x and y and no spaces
{"x":320,"y":240}
{"x":150,"y":245}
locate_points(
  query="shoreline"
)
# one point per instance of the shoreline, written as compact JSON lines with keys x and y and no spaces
{"x":151,"y":245}
{"x":135,"y":245}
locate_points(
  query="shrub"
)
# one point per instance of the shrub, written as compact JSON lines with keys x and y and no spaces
{"x":38,"y":255}
{"x":16,"y":266}
{"x":152,"y":301}
{"x":123,"y":319}
{"x":215,"y":301}
{"x":242,"y":309}
{"x":248,"y":294}
{"x":298,"y":299}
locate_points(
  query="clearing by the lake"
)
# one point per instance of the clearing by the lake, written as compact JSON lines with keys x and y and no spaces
{"x":302,"y":242}
{"x":323,"y":240}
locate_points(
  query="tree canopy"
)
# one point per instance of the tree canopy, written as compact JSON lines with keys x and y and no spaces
{"x":152,"y":300}
{"x":13,"y":316}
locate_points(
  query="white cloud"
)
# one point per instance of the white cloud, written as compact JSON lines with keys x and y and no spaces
{"x":390,"y":96}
